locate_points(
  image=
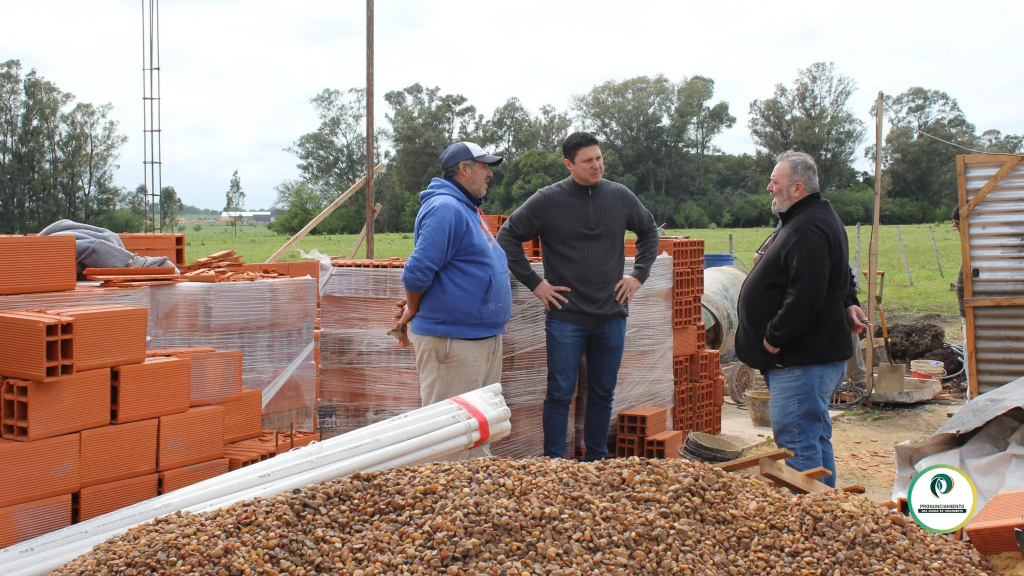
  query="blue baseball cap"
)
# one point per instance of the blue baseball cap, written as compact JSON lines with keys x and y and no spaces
{"x":462,"y":151}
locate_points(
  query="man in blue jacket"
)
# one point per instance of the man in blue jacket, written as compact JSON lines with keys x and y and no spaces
{"x":457,"y":286}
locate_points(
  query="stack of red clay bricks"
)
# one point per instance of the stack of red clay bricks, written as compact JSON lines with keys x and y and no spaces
{"x":699,"y":385}
{"x":90,"y":424}
{"x":170,"y":245}
{"x":644,"y":432}
{"x":495,"y":222}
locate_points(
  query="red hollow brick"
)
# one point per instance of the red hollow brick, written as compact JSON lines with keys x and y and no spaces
{"x":39,"y":469}
{"x":157,"y":387}
{"x":190,"y":438}
{"x":118,"y":452}
{"x":35,"y":346}
{"x":37,"y":410}
{"x":26,"y":521}
{"x":171,"y":480}
{"x":243,"y":416}
{"x":642,"y":421}
{"x":216,"y":376}
{"x":98,"y":500}
{"x":30,"y":264}
{"x":107,"y":336}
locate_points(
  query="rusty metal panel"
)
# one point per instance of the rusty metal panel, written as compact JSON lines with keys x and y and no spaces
{"x":995,"y":232}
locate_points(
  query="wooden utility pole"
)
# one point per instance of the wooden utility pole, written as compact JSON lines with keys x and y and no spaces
{"x":873,"y":251}
{"x":369,"y":130}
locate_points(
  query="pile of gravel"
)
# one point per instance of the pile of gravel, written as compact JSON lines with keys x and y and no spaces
{"x":538,"y":517}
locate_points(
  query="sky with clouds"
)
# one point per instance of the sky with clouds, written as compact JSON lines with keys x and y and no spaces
{"x":238,"y":74}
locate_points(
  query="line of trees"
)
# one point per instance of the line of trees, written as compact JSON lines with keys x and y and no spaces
{"x":658,"y":137}
{"x":57,"y":160}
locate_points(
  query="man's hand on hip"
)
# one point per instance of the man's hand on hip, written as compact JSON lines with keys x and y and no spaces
{"x":857,"y":319}
{"x":550,"y":296}
{"x":626,"y":288}
{"x":770,"y":348}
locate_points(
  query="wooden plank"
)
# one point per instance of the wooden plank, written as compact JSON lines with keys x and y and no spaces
{"x":873,"y":248}
{"x":965,"y":263}
{"x":1016,"y":301}
{"x":785,"y":476}
{"x":906,"y":265}
{"x":987,"y":158}
{"x":320,"y":217}
{"x":970,"y":350}
{"x":750,"y":461}
{"x":855,"y":489}
{"x":990,"y":185}
{"x":819,"y":472}
{"x":362,"y":234}
{"x":128,"y":271}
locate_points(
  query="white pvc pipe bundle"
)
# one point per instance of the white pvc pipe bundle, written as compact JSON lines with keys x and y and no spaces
{"x":430,"y":433}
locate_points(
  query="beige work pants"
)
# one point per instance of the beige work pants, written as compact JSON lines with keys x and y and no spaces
{"x":448,"y":367}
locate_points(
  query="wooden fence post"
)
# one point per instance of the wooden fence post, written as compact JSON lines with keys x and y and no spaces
{"x":906,"y":265}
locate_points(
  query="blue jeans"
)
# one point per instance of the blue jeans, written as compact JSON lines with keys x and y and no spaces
{"x":799,"y":408}
{"x":567,"y":342}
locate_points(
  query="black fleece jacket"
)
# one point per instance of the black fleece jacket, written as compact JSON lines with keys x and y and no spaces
{"x":796,"y":296}
{"x":581,"y":230}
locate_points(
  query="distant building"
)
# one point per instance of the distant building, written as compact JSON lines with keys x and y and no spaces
{"x":245,"y":218}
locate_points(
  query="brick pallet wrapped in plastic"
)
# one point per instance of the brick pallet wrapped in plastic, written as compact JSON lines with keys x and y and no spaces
{"x":645,"y":377}
{"x":270,"y":321}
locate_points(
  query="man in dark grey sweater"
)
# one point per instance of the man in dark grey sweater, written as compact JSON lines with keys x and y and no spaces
{"x":582,"y":222}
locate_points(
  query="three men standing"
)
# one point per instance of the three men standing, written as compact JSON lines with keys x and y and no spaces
{"x":581,"y":222}
{"x":796,"y":311}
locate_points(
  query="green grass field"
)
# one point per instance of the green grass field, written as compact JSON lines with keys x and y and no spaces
{"x":930,"y":294}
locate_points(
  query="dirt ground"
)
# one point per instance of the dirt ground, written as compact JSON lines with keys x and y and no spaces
{"x":863,"y":440}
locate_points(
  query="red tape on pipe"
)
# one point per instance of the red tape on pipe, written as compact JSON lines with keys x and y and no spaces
{"x":485,"y":428}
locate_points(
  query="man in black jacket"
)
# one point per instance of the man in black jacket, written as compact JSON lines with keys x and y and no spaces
{"x":581,"y":222}
{"x":796,"y":311}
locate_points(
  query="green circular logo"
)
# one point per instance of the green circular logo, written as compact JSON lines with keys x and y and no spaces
{"x":942,"y":499}
{"x":941,"y":484}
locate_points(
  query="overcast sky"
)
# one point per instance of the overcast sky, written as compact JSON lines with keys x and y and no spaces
{"x":238,"y":74}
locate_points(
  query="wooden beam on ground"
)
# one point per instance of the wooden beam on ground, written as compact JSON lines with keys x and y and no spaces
{"x":819,"y":472}
{"x":320,"y":217}
{"x":785,"y":476}
{"x":751,"y":461}
{"x":362,"y":234}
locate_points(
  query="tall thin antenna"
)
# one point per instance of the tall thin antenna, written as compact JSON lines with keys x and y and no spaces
{"x":152,"y":157}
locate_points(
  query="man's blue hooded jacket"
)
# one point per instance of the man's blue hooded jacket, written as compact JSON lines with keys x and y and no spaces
{"x":460,"y":267}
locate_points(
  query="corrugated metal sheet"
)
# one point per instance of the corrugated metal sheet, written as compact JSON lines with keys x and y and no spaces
{"x":999,"y":345}
{"x":996,"y":229}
